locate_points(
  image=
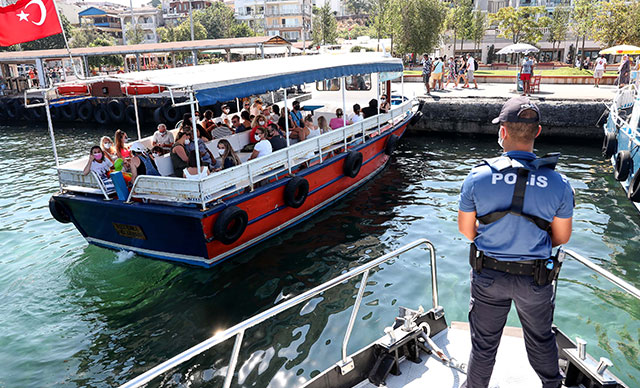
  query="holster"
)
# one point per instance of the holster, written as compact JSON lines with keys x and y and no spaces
{"x":543,"y":275}
{"x":475,"y":258}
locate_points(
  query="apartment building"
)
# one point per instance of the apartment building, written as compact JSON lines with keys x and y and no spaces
{"x":174,"y":12}
{"x":146,"y":18}
{"x":104,"y":19}
{"x":289,"y":19}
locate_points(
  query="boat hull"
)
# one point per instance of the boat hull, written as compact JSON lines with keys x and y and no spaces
{"x":185,"y":233}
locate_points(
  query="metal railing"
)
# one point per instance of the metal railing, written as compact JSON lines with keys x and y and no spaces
{"x":238,"y":330}
{"x":625,"y":286}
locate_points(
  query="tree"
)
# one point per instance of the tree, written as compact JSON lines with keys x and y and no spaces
{"x":325,"y":26}
{"x":134,"y":34}
{"x":183,"y":31}
{"x":219,"y":22}
{"x":521,"y":25}
{"x":614,"y":23}
{"x":358,"y":6}
{"x":463,"y":20}
{"x":421,"y":25}
{"x":354,"y":31}
{"x":478,"y":28}
{"x":559,"y":26}
{"x":50,"y":42}
{"x":386,"y":19}
{"x":583,"y":15}
{"x":166,"y":34}
{"x":156,"y":3}
{"x":105,"y":60}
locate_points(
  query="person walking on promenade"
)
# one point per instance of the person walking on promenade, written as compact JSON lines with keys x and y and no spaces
{"x":452,"y":74}
{"x":471,"y":68}
{"x":526,"y":71}
{"x":624,"y":70}
{"x":509,"y":227}
{"x":461,"y":65}
{"x":426,"y":72}
{"x":598,"y":71}
{"x":438,"y":72}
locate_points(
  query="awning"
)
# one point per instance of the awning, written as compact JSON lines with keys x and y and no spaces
{"x":226,"y":81}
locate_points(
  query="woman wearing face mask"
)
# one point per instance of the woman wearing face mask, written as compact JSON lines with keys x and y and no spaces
{"x":258,"y":122}
{"x":384,"y":104}
{"x":179,"y":155}
{"x":227,"y":154}
{"x":224,"y":117}
{"x":99,"y":164}
{"x":263,"y":147}
{"x":106,"y":145}
{"x":122,"y":151}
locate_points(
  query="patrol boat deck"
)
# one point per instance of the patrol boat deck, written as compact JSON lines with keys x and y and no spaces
{"x":419,"y":348}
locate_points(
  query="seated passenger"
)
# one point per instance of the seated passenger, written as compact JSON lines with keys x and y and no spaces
{"x":141,"y":163}
{"x":246,"y":122}
{"x":179,"y":154}
{"x":157,"y":152}
{"x":99,"y":164}
{"x":322,"y":124}
{"x":162,"y":138}
{"x":191,"y":171}
{"x":275,"y":115}
{"x":246,"y":106}
{"x":263,"y":147}
{"x":266,"y":112}
{"x":298,"y":134}
{"x":227,"y":154}
{"x":313,"y":130}
{"x":220,"y":130}
{"x":109,"y":151}
{"x":122,"y":151}
{"x":258,"y":122}
{"x":356,"y":116}
{"x":338,"y":121}
{"x":385,"y":107}
{"x":208,"y":122}
{"x":275,"y":137}
{"x":224,"y":117}
{"x":205,"y":155}
{"x":371,"y":110}
{"x":296,"y":116}
{"x":256,"y":107}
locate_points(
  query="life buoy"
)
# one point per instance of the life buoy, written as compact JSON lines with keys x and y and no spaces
{"x":352,"y":164}
{"x":230,"y":225}
{"x":170,"y":113}
{"x":59,"y":211}
{"x":623,"y":165}
{"x":73,"y":90}
{"x":296,"y":192}
{"x":85,"y":111}
{"x":634,"y":187}
{"x":68,"y":112}
{"x":609,"y":145}
{"x":392,"y":142}
{"x":130,"y":114}
{"x":416,"y":117}
{"x":115,"y":108}
{"x":100,"y":114}
{"x":137,"y":89}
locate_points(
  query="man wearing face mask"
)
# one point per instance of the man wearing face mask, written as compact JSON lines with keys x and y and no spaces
{"x":514,"y":208}
{"x":162,"y":138}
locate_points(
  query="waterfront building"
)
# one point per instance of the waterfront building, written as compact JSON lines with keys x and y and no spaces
{"x":289,"y":19}
{"x":105,"y":19}
{"x":148,"y":19}
{"x":174,"y":11}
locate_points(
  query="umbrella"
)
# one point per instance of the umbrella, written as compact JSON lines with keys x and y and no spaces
{"x":621,"y":49}
{"x":518,"y":48}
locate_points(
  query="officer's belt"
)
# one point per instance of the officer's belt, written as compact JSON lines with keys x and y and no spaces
{"x":512,"y":267}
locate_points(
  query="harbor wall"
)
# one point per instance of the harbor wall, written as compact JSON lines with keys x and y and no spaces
{"x":559,"y":118}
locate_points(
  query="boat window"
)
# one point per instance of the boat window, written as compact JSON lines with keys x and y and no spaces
{"x":328,"y":85}
{"x":359,"y":82}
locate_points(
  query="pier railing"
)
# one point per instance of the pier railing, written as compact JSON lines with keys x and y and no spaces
{"x":238,"y":330}
{"x":222,"y":183}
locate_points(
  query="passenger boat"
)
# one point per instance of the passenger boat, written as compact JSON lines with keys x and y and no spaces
{"x":622,"y":140}
{"x":211,"y":219}
{"x":419,"y":348}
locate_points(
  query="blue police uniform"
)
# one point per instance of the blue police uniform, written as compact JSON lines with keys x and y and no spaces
{"x":517,"y":239}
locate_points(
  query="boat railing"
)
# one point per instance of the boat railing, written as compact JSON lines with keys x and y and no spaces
{"x":222,"y":183}
{"x":239,"y":330}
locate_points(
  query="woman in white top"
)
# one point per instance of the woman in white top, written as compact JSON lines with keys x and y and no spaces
{"x":191,"y":172}
{"x":99,"y":164}
{"x":313,"y":130}
{"x":108,"y":149}
{"x":323,"y":125}
{"x":263,"y":146}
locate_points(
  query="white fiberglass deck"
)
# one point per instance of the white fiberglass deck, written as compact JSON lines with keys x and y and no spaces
{"x":512,"y":367}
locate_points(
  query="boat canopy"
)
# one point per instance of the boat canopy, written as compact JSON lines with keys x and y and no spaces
{"x":226,"y":81}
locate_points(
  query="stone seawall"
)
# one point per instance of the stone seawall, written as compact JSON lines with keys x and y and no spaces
{"x":473,"y":115}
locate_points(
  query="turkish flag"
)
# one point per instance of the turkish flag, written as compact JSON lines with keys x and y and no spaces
{"x":28,"y":20}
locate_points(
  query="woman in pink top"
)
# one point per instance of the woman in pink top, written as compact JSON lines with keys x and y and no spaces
{"x":337,"y":121}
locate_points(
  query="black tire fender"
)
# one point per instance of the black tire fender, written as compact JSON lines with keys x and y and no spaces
{"x":392,"y":143}
{"x":623,"y":165}
{"x":85,"y":111}
{"x":634,"y":187}
{"x":100,"y":114}
{"x":609,"y":145}
{"x":352,"y":164}
{"x":130,"y":114}
{"x":54,"y":110}
{"x":12,"y":110}
{"x":68,"y":112}
{"x":296,"y":192}
{"x":158,"y":117}
{"x":115,"y":108}
{"x":59,"y":211}
{"x":416,"y":117}
{"x":38,"y":113}
{"x":170,"y":113}
{"x":230,"y":225}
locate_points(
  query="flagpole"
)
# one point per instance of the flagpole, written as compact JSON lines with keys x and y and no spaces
{"x":66,"y":42}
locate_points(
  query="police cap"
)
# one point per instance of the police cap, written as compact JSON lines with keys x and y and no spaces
{"x":512,"y":109}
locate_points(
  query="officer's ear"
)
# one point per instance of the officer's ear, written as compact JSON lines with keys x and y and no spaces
{"x":502,"y":131}
{"x":539,"y":130}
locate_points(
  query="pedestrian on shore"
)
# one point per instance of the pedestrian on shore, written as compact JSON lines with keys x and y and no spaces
{"x":598,"y":72}
{"x":462,"y":67}
{"x":426,"y":71}
{"x":511,"y":251}
{"x":624,"y":70}
{"x":526,"y":71}
{"x":438,"y":69}
{"x":452,"y":73}
{"x":471,"y":68}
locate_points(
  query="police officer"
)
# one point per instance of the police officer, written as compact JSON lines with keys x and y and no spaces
{"x":514,"y":208}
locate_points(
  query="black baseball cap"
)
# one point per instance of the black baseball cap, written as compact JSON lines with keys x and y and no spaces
{"x":511,"y":110}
